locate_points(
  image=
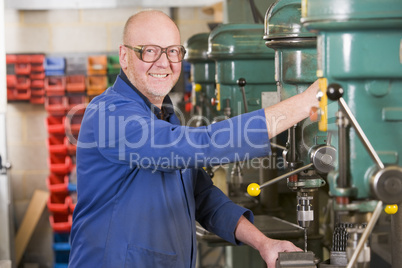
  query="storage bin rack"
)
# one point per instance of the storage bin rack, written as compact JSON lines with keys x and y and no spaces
{"x":96,"y":81}
{"x":64,"y":86}
{"x":37,"y":77}
{"x":11,"y":60}
{"x":76,"y":101}
{"x":60,"y":162}
{"x":25,"y":78}
{"x":18,"y":81}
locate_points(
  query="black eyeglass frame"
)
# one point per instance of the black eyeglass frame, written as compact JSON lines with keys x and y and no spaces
{"x":140,"y":49}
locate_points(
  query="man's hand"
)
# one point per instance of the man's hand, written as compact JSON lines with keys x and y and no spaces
{"x":247,"y":233}
{"x":270,"y":249}
{"x":289,"y":112}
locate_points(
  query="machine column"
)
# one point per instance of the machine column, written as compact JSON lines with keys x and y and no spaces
{"x":396,"y":238}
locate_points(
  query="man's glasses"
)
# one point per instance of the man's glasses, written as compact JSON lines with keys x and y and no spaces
{"x":152,"y":53}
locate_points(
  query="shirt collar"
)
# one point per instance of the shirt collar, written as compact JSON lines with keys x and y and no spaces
{"x":167,"y":105}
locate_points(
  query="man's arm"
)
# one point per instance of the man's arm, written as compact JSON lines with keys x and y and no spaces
{"x":289,"y":112}
{"x":247,"y":233}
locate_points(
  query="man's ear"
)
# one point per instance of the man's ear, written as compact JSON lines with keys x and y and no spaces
{"x":123,"y":57}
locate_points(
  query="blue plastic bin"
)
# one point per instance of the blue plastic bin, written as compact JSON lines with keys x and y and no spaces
{"x":61,"y":248}
{"x":54,"y":66}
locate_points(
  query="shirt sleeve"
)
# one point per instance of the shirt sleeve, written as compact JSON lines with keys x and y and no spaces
{"x":215,"y":211}
{"x":126,"y":133}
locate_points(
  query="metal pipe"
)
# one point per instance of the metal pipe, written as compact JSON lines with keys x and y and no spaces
{"x":269,"y":198}
{"x":243,"y":92}
{"x":242,"y":83}
{"x":366,"y":234}
{"x":292,"y":140}
{"x":284,"y":176}
{"x":343,"y":150}
{"x":278,"y":146}
{"x":361,"y":134}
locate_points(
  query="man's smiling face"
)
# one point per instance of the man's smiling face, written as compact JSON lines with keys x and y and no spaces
{"x":156,"y":79}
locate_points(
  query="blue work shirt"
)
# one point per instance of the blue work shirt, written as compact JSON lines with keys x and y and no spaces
{"x":141,"y":186}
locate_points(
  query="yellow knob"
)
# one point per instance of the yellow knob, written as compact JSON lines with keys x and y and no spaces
{"x":391,"y":209}
{"x":197,"y":87}
{"x":253,"y":189}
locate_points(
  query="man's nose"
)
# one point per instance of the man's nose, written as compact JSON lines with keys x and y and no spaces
{"x":163,"y":60}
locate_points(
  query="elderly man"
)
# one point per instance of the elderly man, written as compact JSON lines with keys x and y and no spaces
{"x":140,"y":182}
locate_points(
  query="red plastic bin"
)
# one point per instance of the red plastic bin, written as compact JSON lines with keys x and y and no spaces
{"x":37,"y":58}
{"x":37,"y":63}
{"x":37,"y":75}
{"x":71,"y":143}
{"x":57,"y":183}
{"x":60,"y":164}
{"x":56,"y":105}
{"x":76,"y":104}
{"x":11,"y":93}
{"x":55,"y":124}
{"x":71,"y":203}
{"x":73,"y":123}
{"x":11,"y":81}
{"x":36,"y":99}
{"x":57,"y":203}
{"x":23,"y":59}
{"x":37,"y":83}
{"x":23,"y":65}
{"x":56,"y":145}
{"x":38,"y":92}
{"x":55,"y":85}
{"x":21,"y":94}
{"x":23,"y":82}
{"x":75,"y":83}
{"x":61,"y":223}
{"x":11,"y":59}
{"x":22,"y":68}
{"x":37,"y":68}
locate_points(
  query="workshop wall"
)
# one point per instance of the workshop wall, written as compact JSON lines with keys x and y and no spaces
{"x":59,"y":32}
{"x":95,"y":30}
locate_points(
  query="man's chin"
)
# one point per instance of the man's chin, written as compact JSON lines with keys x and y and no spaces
{"x":159,"y":92}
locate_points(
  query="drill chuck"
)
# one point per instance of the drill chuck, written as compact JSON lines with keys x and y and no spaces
{"x":305,"y":212}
